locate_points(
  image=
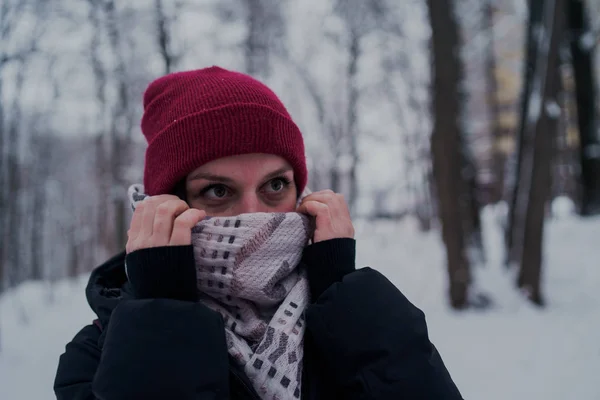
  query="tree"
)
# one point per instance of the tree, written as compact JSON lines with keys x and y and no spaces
{"x":539,"y":118}
{"x":405,"y":88}
{"x":12,"y":226}
{"x":361,"y":19}
{"x":14,"y":209}
{"x":264,"y":36}
{"x":114,"y":138}
{"x":101,"y":156}
{"x":164,"y":35}
{"x":40,"y":168}
{"x":498,"y":154}
{"x":10,"y":14}
{"x":446,"y":147}
{"x":582,"y":45}
{"x":516,"y":215}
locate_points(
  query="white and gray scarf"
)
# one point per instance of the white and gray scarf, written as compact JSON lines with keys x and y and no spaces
{"x":247,"y":270}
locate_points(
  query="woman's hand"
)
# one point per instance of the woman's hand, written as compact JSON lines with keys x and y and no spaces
{"x":331,"y":213}
{"x":163,"y":220}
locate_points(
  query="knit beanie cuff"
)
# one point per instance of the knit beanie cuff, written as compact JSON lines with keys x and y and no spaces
{"x":227,"y":131}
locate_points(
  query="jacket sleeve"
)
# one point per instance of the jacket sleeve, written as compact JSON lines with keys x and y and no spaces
{"x":375,"y":341}
{"x":154,"y":347}
{"x":77,"y":366}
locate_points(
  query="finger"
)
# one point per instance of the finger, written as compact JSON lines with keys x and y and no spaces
{"x":324,"y":196}
{"x":163,"y":220}
{"x":161,"y":198}
{"x":338,"y":207}
{"x":325,"y":191}
{"x":136,"y":222}
{"x":316,"y":209}
{"x":149,"y":207}
{"x":182,"y":227}
{"x":342,"y":209}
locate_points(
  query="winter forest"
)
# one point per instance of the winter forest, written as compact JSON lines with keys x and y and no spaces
{"x":464,"y":135}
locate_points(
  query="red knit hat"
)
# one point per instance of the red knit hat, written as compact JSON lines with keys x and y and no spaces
{"x":193,"y":117}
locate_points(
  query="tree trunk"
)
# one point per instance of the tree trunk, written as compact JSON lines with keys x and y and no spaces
{"x":41,"y":165}
{"x":73,"y":263}
{"x":101,"y":156}
{"x":14,"y":212}
{"x":120,"y":132}
{"x":255,"y":47}
{"x":163,"y":36}
{"x":263,"y":22}
{"x":352,"y":134}
{"x":581,"y":41}
{"x":529,"y":279}
{"x":539,"y":135}
{"x":10,"y":18}
{"x":472,"y":210}
{"x":445,"y":145}
{"x":499,"y":156}
{"x":517,"y":213}
{"x":3,"y":194}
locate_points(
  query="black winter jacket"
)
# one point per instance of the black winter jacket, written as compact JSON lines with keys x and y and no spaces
{"x":363,"y":340}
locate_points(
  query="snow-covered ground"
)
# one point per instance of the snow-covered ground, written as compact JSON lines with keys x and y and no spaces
{"x":512,"y":352}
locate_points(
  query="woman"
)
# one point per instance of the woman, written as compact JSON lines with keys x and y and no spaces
{"x":236,"y":282}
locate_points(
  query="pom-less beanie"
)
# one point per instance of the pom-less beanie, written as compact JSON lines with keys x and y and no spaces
{"x":193,"y":117}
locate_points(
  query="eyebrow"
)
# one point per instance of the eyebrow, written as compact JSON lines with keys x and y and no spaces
{"x":224,"y":179}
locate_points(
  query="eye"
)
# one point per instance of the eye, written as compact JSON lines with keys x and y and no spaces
{"x":277,"y":185}
{"x":215,"y":192}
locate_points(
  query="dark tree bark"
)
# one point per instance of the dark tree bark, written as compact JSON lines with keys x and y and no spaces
{"x":538,"y":141}
{"x":10,"y":13}
{"x":13,"y":266}
{"x":164,"y":37}
{"x":102,"y":151}
{"x":472,"y":217}
{"x":353,"y":134}
{"x":256,"y":46}
{"x":581,"y":44}
{"x":446,"y":142}
{"x":120,"y":131}
{"x":39,"y":205}
{"x":265,"y":33}
{"x":3,"y":193}
{"x":529,"y":280}
{"x":14,"y":210}
{"x":499,"y":157}
{"x":517,"y":214}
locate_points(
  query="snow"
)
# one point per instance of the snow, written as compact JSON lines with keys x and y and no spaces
{"x":552,"y":109}
{"x":36,"y":321}
{"x":535,"y":104}
{"x":562,"y":207}
{"x":587,"y":41}
{"x":513,"y":351}
{"x":592,"y":151}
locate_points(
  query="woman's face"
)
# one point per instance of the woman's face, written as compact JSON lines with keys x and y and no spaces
{"x":247,"y":183}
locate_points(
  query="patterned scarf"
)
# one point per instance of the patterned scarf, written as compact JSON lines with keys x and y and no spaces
{"x":247,"y":271}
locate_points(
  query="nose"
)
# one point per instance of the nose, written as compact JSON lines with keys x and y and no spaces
{"x":250,"y":203}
